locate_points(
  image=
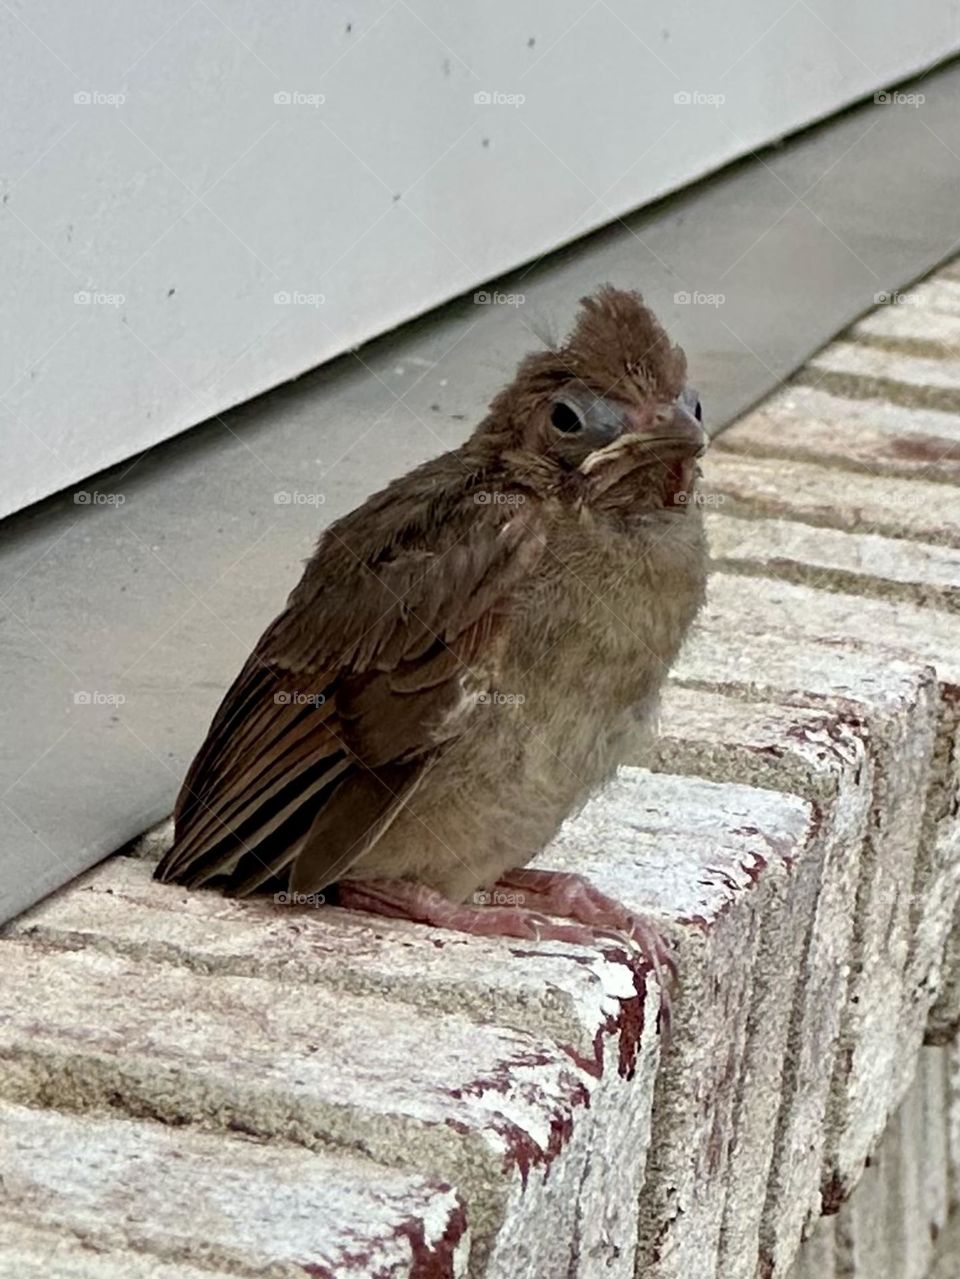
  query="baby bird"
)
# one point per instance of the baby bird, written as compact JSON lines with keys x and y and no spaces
{"x":466,"y":654}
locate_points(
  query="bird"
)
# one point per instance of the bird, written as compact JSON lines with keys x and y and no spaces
{"x":468,"y":655}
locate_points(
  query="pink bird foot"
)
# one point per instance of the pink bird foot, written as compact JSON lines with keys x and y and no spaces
{"x":534,"y":905}
{"x":571,"y":896}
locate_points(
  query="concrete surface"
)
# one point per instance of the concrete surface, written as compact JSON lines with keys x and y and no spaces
{"x":798,"y":841}
{"x":156,"y":600}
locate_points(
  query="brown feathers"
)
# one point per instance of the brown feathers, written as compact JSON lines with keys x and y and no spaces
{"x":617,"y":347}
{"x":543,"y":559}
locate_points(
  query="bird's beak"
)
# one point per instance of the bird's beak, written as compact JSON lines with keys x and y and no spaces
{"x":673,"y":426}
{"x":671,"y":433}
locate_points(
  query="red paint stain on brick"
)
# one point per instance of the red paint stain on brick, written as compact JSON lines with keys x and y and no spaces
{"x":627,"y":1024}
{"x":523,"y":1151}
{"x":832,"y":1195}
{"x":434,"y":1260}
{"x":922,"y":448}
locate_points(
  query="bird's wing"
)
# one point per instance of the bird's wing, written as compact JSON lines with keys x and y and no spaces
{"x":343,"y":707}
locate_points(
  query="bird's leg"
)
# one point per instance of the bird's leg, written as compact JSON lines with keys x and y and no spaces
{"x":488,"y":914}
{"x":524,"y":904}
{"x":573,"y":897}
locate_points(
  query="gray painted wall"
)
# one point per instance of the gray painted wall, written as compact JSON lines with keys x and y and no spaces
{"x":172,"y":172}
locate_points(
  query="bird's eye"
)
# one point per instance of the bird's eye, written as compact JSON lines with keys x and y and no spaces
{"x":565,"y":418}
{"x":691,"y":402}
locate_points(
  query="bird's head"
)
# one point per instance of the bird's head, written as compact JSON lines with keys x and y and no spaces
{"x":617,"y":383}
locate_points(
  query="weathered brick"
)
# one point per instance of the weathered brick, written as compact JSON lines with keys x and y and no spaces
{"x":926,"y":636}
{"x":492,"y":1111}
{"x":908,"y":328}
{"x":27,"y":1252}
{"x":660,"y":868}
{"x":892,"y":507}
{"x":855,"y":370}
{"x":896,"y":701}
{"x":947,"y":1264}
{"x":808,"y":424}
{"x":941,"y":292}
{"x":582,"y":997}
{"x":923,"y":635}
{"x":190,"y":1199}
{"x":896,"y":1214}
{"x":817,"y":1258}
{"x":924,"y":573}
{"x":816,"y":556}
{"x":709,"y":863}
{"x":778,"y":1154}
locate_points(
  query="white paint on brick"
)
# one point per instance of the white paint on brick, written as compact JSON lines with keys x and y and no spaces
{"x":923,"y":573}
{"x":896,"y":701}
{"x":707,"y":862}
{"x":777,"y":1159}
{"x":850,"y":368}
{"x":906,"y":327}
{"x":926,"y":636}
{"x":808,"y":424}
{"x":778,"y":487}
{"x":27,"y":1252}
{"x":229,"y":1202}
{"x":504,"y":1116}
{"x":571,"y":993}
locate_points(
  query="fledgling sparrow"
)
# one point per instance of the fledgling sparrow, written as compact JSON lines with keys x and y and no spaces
{"x":466,"y":653}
